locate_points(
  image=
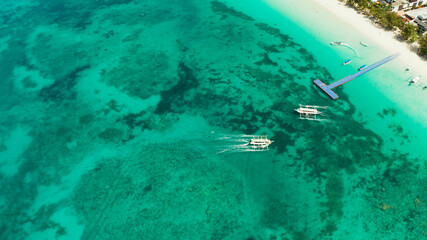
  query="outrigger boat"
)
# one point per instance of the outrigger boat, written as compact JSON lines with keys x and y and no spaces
{"x":309,"y":112}
{"x":347,"y":61}
{"x":362,"y":67}
{"x":244,"y":143}
{"x":259,"y":142}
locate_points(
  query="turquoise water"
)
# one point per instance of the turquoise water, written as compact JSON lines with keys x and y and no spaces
{"x":113,"y":114}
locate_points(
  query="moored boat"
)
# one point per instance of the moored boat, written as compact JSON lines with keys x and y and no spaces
{"x":362,"y":67}
{"x":336,"y":43}
{"x":414,"y":80}
{"x":347,"y":61}
{"x":363,"y":44}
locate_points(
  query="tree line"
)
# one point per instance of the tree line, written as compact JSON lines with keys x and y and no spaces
{"x":382,"y":14}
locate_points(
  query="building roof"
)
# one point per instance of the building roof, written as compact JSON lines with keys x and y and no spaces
{"x":409,"y":17}
{"x":399,"y":2}
{"x":421,"y":24}
{"x":416,"y":12}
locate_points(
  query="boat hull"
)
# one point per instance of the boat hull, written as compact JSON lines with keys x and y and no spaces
{"x":346,"y":62}
{"x":362,"y":67}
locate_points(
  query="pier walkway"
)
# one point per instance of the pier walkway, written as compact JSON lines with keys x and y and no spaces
{"x":328,"y":88}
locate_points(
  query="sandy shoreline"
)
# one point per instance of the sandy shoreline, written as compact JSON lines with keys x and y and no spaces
{"x":384,"y":39}
{"x":359,"y":22}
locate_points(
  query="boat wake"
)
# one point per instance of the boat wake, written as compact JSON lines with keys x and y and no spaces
{"x":345,"y":45}
{"x":242,"y":143}
{"x":348,"y":46}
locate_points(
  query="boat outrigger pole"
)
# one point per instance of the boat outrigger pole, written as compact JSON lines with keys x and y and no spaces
{"x":328,"y":88}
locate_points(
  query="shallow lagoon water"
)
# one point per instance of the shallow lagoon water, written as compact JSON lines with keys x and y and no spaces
{"x":113,"y":113}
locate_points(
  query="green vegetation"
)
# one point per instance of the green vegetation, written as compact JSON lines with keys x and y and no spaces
{"x":381,"y":12}
{"x":423,"y":45}
{"x":389,"y":20}
{"x":409,"y":32}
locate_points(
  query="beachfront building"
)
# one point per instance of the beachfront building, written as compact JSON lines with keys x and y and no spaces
{"x":399,"y":5}
{"x":420,"y":17}
{"x":420,"y":13}
{"x":405,"y":17}
{"x":421,"y":24}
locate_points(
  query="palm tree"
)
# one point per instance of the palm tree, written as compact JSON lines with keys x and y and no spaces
{"x":409,"y":32}
{"x":350,"y":3}
{"x":423,"y":45}
{"x":391,"y":20}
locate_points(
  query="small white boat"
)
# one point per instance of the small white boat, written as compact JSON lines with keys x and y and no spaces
{"x":415,"y":80}
{"x":309,"y":112}
{"x":363,"y":44}
{"x":336,"y":43}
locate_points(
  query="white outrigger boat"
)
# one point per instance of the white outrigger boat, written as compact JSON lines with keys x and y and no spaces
{"x":309,"y":112}
{"x":245,"y":143}
{"x":259,"y":142}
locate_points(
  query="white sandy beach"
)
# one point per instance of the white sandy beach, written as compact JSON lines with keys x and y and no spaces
{"x":359,"y":22}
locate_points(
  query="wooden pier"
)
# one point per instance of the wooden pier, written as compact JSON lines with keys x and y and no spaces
{"x":328,"y":88}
